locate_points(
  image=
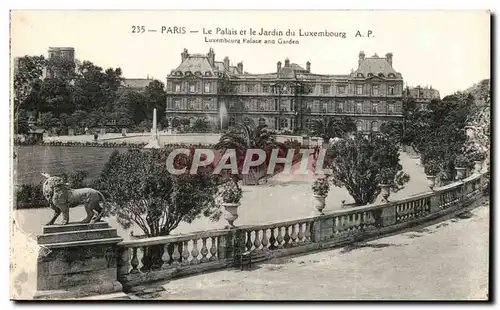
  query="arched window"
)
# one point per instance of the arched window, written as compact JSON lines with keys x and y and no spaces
{"x":262,"y":122}
{"x":391,"y":75}
{"x":197,"y":73}
{"x":208,"y":73}
{"x":359,"y":126}
{"x":381,"y":74}
{"x":232,"y":121}
{"x":360,"y":75}
{"x":370,"y":74}
{"x":375,"y":126}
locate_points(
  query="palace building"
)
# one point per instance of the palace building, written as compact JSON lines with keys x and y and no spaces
{"x":287,"y":99}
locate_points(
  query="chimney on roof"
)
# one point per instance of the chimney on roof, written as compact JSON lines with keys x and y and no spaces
{"x":240,"y":67}
{"x":226,"y":62}
{"x":211,"y":57}
{"x":287,"y":62}
{"x":361,"y":57}
{"x":184,"y":55}
{"x":388,"y":57}
{"x":278,"y":66}
{"x":308,"y":66}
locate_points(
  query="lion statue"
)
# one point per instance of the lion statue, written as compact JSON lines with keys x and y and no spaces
{"x":61,"y":198}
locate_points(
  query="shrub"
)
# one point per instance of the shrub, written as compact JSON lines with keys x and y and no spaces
{"x":362,"y":163}
{"x":462,"y":161}
{"x":144,"y":193}
{"x":30,"y":194}
{"x":321,"y":187}
{"x":230,"y":192}
{"x":431,"y":166}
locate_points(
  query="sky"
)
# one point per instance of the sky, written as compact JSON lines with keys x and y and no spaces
{"x":448,"y":50}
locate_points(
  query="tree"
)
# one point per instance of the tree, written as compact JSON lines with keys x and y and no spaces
{"x":94,"y":89}
{"x":27,"y":75}
{"x":55,"y":96}
{"x":244,"y":137}
{"x":131,"y":105}
{"x":62,"y":68}
{"x":47,"y":120}
{"x":21,"y":121}
{"x":331,"y":127}
{"x":363,"y":163}
{"x":155,"y":97}
{"x":143,"y":193}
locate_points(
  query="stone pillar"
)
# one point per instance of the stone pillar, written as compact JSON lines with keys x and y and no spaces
{"x":316,"y":230}
{"x":435,"y":202}
{"x":77,"y":260}
{"x":389,"y":216}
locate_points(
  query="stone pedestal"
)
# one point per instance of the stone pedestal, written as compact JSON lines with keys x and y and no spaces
{"x":77,"y":260}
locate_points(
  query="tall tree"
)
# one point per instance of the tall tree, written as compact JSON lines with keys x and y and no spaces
{"x":27,"y":76}
{"x":156,"y":98}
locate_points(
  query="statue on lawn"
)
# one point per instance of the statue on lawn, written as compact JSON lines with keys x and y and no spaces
{"x":61,"y":198}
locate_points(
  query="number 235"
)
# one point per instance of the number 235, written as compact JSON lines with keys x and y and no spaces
{"x":138,"y":29}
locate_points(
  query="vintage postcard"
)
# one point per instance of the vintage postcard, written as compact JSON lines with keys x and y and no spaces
{"x":250,"y":155}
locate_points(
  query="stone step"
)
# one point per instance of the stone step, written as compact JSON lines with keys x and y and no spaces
{"x":79,"y":235}
{"x":74,"y":226}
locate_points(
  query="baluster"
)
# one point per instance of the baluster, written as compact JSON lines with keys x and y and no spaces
{"x":213,"y":249}
{"x":265,"y":242}
{"x":345,"y":225}
{"x":185,"y":253}
{"x":272,"y":240}
{"x":287,"y":237}
{"x":279,"y":238}
{"x":165,"y":257}
{"x":301,"y":234}
{"x":176,"y":255}
{"x":256,"y":241}
{"x":308,"y":232}
{"x":204,"y":251}
{"x":352,"y":223}
{"x":134,"y":262}
{"x":359,"y":222}
{"x":341,"y":226}
{"x":195,"y":253}
{"x":146,"y":260}
{"x":293,"y":235}
{"x":249,"y":243}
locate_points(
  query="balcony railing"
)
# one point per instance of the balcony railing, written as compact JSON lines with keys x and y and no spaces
{"x":209,"y":250}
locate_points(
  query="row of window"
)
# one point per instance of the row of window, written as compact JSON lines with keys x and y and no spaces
{"x":193,"y":105}
{"x":325,"y":89}
{"x":340,"y":106}
{"x":193,"y":87}
{"x":286,"y":123}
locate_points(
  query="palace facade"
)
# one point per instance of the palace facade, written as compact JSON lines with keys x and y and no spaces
{"x":287,"y":99}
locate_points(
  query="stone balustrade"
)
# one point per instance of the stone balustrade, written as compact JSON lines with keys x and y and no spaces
{"x":175,"y":256}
